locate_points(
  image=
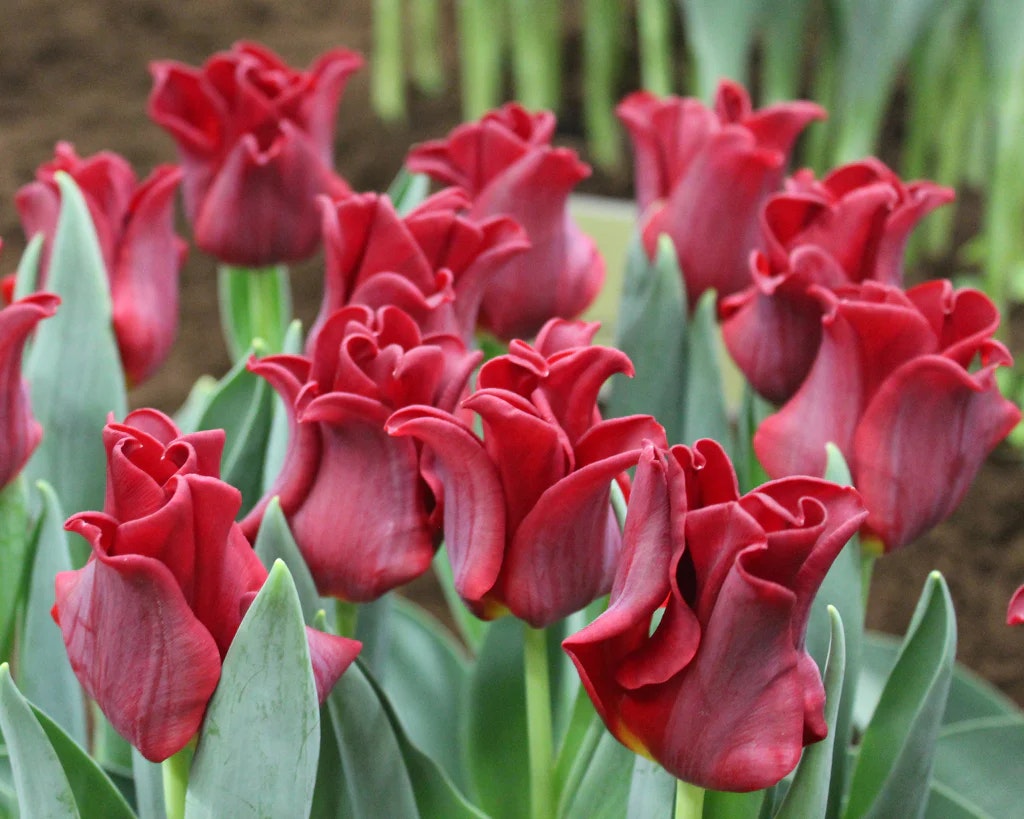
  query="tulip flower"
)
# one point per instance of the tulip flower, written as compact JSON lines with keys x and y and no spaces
{"x":703,"y":174}
{"x":361,"y":505}
{"x":1015,"y":611}
{"x":904,"y":384}
{"x":506,"y":163}
{"x":255,"y":139}
{"x":135,"y":226}
{"x":528,"y":522}
{"x":20,"y":433}
{"x":434,"y":263}
{"x":148,"y":620}
{"x":850,"y":227}
{"x":699,"y":660}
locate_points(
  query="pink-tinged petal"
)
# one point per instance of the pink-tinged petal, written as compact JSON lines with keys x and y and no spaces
{"x":370,"y":481}
{"x":778,"y":126}
{"x":1015,"y":611}
{"x":20,"y":433}
{"x":38,"y":207}
{"x":242,"y":219}
{"x":862,"y":342}
{"x":474,"y":507}
{"x":922,"y":440}
{"x":558,"y":335}
{"x":329,"y":76}
{"x":138,"y":650}
{"x":616,"y":435}
{"x":330,"y":656}
{"x":921,"y":199}
{"x":710,"y":477}
{"x":575,"y":377}
{"x":144,"y":277}
{"x":184,"y":105}
{"x":564,"y":552}
{"x":963,"y":321}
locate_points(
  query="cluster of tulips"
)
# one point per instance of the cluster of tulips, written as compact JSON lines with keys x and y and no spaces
{"x":448,"y":393}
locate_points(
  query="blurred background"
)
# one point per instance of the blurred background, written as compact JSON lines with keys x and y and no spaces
{"x":933,"y":88}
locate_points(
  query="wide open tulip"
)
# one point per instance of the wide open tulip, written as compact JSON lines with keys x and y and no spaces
{"x":255,"y":139}
{"x":703,"y":174}
{"x":142,"y":254}
{"x":904,"y":384}
{"x":359,"y":502}
{"x":850,"y":227}
{"x":507,"y":164}
{"x":20,"y":433}
{"x":528,"y":521}
{"x":434,"y":263}
{"x":722,"y":691}
{"x":148,"y":620}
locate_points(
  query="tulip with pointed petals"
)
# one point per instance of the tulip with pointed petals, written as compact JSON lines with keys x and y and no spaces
{"x":904,"y":384}
{"x":148,"y":620}
{"x":699,"y":660}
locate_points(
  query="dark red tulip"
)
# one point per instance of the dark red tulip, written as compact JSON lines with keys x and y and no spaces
{"x":702,"y":175}
{"x":506,"y":163}
{"x":850,"y":227}
{"x":255,"y":139}
{"x":148,"y":620}
{"x":361,"y":505}
{"x":904,"y":384}
{"x":528,"y":522}
{"x":699,"y":661}
{"x":135,"y":226}
{"x":20,"y":433}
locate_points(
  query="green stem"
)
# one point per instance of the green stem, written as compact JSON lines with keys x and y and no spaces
{"x":14,"y":556}
{"x":654,"y":27}
{"x":480,"y":47}
{"x":538,"y":723}
{"x":427,"y":66}
{"x":602,"y":33}
{"x":346,"y":617}
{"x":387,"y":80}
{"x":870,"y":551}
{"x":254,"y":303}
{"x":689,"y":801}
{"x":537,"y":52}
{"x":175,"y":774}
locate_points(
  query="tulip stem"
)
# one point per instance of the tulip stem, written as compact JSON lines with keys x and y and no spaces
{"x":175,"y":774}
{"x":346,"y":616}
{"x":538,"y":722}
{"x":254,"y":303}
{"x":689,"y":801}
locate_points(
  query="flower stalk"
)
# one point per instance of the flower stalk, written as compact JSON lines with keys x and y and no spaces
{"x":538,"y":722}
{"x":254,"y":303}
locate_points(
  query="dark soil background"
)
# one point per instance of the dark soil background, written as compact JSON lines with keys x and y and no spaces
{"x":77,"y":71}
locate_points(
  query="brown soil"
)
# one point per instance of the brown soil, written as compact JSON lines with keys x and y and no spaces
{"x":77,"y":71}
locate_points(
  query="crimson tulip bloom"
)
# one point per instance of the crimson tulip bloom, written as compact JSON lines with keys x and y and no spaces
{"x":135,"y":226}
{"x":528,"y":524}
{"x":850,"y":227}
{"x":703,"y":174}
{"x":1015,"y":612}
{"x":895,"y":387}
{"x":507,"y":164}
{"x":20,"y":433}
{"x":255,"y":138}
{"x":148,"y":620}
{"x":434,"y":263}
{"x":360,"y":503}
{"x":722,"y":691}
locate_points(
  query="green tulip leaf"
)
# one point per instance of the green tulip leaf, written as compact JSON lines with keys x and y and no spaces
{"x":407,"y":190}
{"x":242,"y":406}
{"x":720,"y":36}
{"x":255,"y":303}
{"x":73,"y":367}
{"x":330,"y":799}
{"x":374,"y":770}
{"x":45,"y":672}
{"x":604,"y":788}
{"x":728,"y":805}
{"x":190,"y":413}
{"x":578,"y":742}
{"x":652,"y":332}
{"x":946,"y":804}
{"x":652,"y":790}
{"x":15,"y":552}
{"x":896,"y":752}
{"x":26,"y":280}
{"x":258,"y":748}
{"x":704,"y":406}
{"x":471,"y":628}
{"x":274,"y":541}
{"x":809,"y":793}
{"x":982,"y":761}
{"x":149,"y":787}
{"x":39,"y":780}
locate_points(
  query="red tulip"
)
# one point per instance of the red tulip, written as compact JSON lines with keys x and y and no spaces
{"x":360,"y":503}
{"x":20,"y":433}
{"x":703,"y":174}
{"x":850,"y":227}
{"x":528,"y":522}
{"x":904,"y":384}
{"x":1015,"y":612}
{"x":507,"y":164}
{"x":699,"y":660}
{"x":135,"y":226}
{"x":255,"y":138}
{"x":148,"y":620}
{"x":434,"y":263}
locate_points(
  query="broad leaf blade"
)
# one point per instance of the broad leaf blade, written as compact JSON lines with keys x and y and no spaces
{"x":274,"y":541}
{"x":257,"y":752}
